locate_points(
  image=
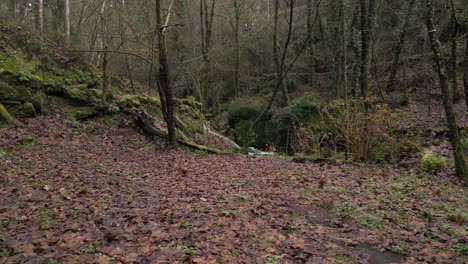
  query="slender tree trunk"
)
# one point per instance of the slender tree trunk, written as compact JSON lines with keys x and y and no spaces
{"x":276,"y":50}
{"x":311,"y":42}
{"x":344,"y":54}
{"x":164,"y":82}
{"x":364,"y":64}
{"x":454,"y":26}
{"x":67,"y":22}
{"x":237,"y":36}
{"x":23,"y":12}
{"x":97,"y":27}
{"x":465,"y":70}
{"x":206,"y":22}
{"x":40,"y":17}
{"x":399,"y":47}
{"x":105,"y":77}
{"x":355,"y":51}
{"x":461,"y":163}
{"x":12,"y":9}
{"x":130,"y":76}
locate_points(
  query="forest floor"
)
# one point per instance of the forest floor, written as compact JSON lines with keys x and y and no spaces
{"x":88,"y":192}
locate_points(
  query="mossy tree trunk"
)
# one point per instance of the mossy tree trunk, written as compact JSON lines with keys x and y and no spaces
{"x":399,"y":47}
{"x":461,"y":162}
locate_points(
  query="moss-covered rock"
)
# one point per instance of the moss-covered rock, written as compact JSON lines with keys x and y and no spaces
{"x":131,"y":100}
{"x":82,"y":113}
{"x":6,"y":120}
{"x":29,"y":110}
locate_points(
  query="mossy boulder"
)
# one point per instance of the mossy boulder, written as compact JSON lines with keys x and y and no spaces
{"x":130,"y":100}
{"x":29,"y":110}
{"x":6,"y":120}
{"x":190,"y":118}
{"x":17,"y":93}
{"x":82,"y":113}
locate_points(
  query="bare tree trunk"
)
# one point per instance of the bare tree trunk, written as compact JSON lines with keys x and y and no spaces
{"x":40,"y":17}
{"x":363,"y":79}
{"x":23,"y":12}
{"x":237,"y":35}
{"x":67,"y":22}
{"x":206,"y":21}
{"x":399,"y":47}
{"x":344,"y":65}
{"x":454,"y":26}
{"x":12,"y":9}
{"x":276,"y":50}
{"x":310,"y":42}
{"x":461,"y":163}
{"x":97,"y":28}
{"x":465,"y":70}
{"x":164,"y":82}
{"x":104,"y":76}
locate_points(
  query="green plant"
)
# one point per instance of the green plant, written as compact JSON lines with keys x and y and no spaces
{"x":345,"y":210}
{"x":371,"y":221}
{"x":400,"y":248}
{"x":3,"y":154}
{"x":460,"y":249}
{"x":243,"y":197}
{"x":345,"y":259}
{"x":226,"y":212}
{"x":428,"y":214}
{"x":430,"y":162}
{"x":27,"y":140}
{"x":271,"y":260}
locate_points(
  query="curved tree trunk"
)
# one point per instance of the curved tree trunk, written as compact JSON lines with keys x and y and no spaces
{"x":461,"y":163}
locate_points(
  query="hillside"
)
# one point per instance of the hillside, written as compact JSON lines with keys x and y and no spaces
{"x":87,"y":174}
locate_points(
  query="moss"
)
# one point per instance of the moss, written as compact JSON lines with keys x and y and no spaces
{"x":430,"y":162}
{"x":9,"y":92}
{"x":82,"y":113}
{"x":5,"y":118}
{"x":130,"y":100}
{"x":29,"y":110}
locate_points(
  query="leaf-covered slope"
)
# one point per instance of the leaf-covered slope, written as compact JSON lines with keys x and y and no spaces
{"x":35,"y":77}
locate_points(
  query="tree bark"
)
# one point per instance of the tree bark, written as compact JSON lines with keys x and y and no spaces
{"x":454,"y":26}
{"x":164,"y":82}
{"x":276,"y":49}
{"x":237,"y":37}
{"x":206,"y":22}
{"x":461,"y":163}
{"x":40,"y":17}
{"x":399,"y":48}
{"x":310,"y":42}
{"x":67,"y":22}
{"x":364,"y":64}
{"x":465,"y":70}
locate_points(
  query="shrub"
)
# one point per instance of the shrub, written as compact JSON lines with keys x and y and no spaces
{"x":371,"y":136}
{"x":430,"y":162}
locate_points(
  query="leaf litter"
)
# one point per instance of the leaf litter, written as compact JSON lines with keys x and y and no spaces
{"x":112,"y":196}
